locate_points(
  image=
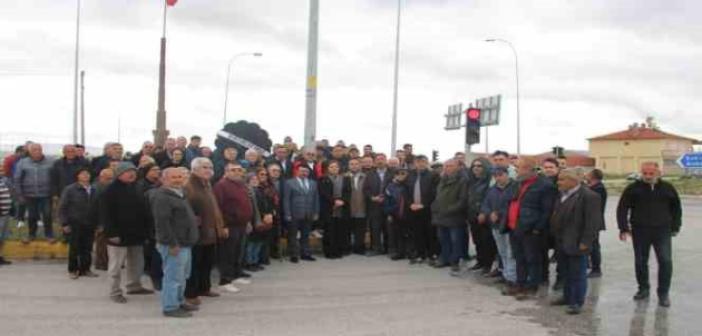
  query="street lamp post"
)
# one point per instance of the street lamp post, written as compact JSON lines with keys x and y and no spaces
{"x":75,"y":76}
{"x":516,"y":67}
{"x":393,"y":144}
{"x":226,"y":89}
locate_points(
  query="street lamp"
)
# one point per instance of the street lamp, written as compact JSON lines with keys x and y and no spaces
{"x":229,"y":68}
{"x":516,"y":66}
{"x":393,"y":141}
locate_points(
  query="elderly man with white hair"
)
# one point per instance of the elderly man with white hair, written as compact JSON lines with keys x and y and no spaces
{"x":576,"y":218}
{"x":32,"y":183}
{"x":199,"y":194}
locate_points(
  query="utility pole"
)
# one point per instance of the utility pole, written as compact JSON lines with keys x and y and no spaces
{"x":82,"y":108}
{"x":75,"y":75}
{"x":161,"y":133}
{"x":311,"y":92}
{"x":397,"y":70}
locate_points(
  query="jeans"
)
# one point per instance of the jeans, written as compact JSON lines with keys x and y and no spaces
{"x":574,"y":279}
{"x":176,"y":271}
{"x":660,"y":238}
{"x":253,"y":251}
{"x":36,"y":207}
{"x":596,"y":255}
{"x":528,"y":252}
{"x":453,"y":244}
{"x":301,"y":247}
{"x":504,"y":248}
{"x":80,"y":248}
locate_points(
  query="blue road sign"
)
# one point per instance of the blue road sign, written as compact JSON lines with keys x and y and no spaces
{"x":691,"y":160}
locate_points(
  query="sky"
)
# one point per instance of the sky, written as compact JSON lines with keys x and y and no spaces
{"x":586,"y":68}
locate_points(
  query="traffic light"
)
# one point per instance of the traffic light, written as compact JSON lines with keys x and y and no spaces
{"x":434,"y":155}
{"x":472,"y":126}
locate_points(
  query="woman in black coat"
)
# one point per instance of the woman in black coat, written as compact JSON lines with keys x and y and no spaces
{"x":335,"y":194}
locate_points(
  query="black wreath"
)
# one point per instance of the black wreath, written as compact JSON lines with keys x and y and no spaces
{"x":246,"y":130}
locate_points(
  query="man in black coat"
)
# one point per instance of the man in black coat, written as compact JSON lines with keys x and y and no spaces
{"x":594,"y":181}
{"x":74,"y":212}
{"x":422,"y":188}
{"x":124,"y":214}
{"x":650,"y":212}
{"x":374,"y":190}
{"x":63,"y":172}
{"x":574,"y":224}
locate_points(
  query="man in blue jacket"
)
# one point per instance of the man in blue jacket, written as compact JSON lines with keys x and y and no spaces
{"x":527,"y":217}
{"x":493,"y":212}
{"x":32,"y":182}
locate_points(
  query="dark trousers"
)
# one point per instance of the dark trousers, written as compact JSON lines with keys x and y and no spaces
{"x":334,"y":237}
{"x":660,"y":239}
{"x":549,"y":243}
{"x":596,"y":255}
{"x":80,"y":248}
{"x":425,"y":238}
{"x":231,"y":254}
{"x":271,"y":248}
{"x":155,"y":267}
{"x":359,"y":228}
{"x":39,"y":206}
{"x":574,"y":279}
{"x":453,"y":244}
{"x":485,"y":247}
{"x":528,"y":251}
{"x":376,"y":222}
{"x":199,"y":283}
{"x":301,"y":247}
{"x":101,"y":258}
{"x":402,"y":237}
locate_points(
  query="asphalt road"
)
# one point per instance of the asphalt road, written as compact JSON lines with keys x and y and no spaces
{"x":363,"y":296}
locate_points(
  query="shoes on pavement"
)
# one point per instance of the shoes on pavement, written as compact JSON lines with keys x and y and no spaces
{"x":90,"y":274}
{"x":526,"y":294}
{"x":140,"y":291}
{"x":73,"y":275}
{"x":574,"y":310}
{"x":178,"y":313}
{"x":212,"y":294}
{"x":4,"y":261}
{"x":441,"y":265}
{"x":595,"y":274}
{"x":559,"y":302}
{"x":230,"y":288}
{"x":641,"y":295}
{"x":511,"y":290}
{"x":243,"y":275}
{"x":118,"y":299}
{"x":372,"y":254}
{"x":189,"y":307}
{"x":193,"y":301}
{"x":476,"y":267}
{"x":294,"y":260}
{"x":664,"y":301}
{"x":242,"y":281}
{"x":397,"y":257}
{"x":308,"y":258}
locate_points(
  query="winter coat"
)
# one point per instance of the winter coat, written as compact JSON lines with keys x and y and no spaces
{"x":536,"y":206}
{"x":173,"y":218}
{"x":63,"y":173}
{"x":234,"y":201}
{"x":601,"y":191}
{"x":576,"y":221}
{"x":75,"y":206}
{"x":644,"y":205}
{"x":33,"y":178}
{"x":124,"y":214}
{"x":204,"y":205}
{"x":450,"y":205}
{"x":427,"y":186}
{"x":497,"y":200}
{"x":398,"y":199}
{"x":327,"y":199}
{"x":477,"y":188}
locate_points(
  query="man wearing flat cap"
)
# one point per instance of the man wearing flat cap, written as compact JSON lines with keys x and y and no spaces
{"x":124,"y":215}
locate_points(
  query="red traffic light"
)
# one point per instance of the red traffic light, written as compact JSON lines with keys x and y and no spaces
{"x":473,"y":114}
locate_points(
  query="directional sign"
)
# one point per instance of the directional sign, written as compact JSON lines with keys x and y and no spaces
{"x":691,"y":160}
{"x":490,"y":108}
{"x":453,"y":117}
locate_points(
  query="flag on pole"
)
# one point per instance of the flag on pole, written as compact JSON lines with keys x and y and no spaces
{"x":171,"y":2}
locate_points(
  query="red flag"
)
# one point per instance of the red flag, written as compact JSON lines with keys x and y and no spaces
{"x":171,"y":2}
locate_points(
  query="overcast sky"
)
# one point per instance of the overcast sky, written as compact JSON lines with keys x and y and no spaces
{"x":587,"y":67}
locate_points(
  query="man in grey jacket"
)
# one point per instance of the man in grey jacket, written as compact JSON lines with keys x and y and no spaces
{"x":176,"y":233}
{"x":32,"y":182}
{"x":301,"y":207}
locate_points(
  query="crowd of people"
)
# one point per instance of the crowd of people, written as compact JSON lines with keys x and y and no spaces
{"x":178,"y":212}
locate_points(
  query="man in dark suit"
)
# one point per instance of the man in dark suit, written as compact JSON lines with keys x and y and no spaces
{"x":374,"y":190}
{"x":423,"y":191}
{"x":282,"y":159}
{"x":301,"y":209}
